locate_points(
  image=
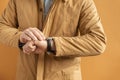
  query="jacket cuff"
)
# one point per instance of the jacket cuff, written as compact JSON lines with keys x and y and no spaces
{"x":16,"y":40}
{"x":58,"y":46}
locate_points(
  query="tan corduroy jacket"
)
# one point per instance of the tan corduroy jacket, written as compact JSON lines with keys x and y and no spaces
{"x":75,"y":27}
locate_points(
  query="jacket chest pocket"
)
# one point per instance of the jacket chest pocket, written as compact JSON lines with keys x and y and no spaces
{"x":66,"y":20}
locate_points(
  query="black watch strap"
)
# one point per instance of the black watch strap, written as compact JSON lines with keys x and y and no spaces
{"x":49,"y":45}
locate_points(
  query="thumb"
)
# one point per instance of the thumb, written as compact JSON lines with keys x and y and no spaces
{"x":33,"y":48}
{"x":37,"y":43}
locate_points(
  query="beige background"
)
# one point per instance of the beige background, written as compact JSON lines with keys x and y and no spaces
{"x":103,"y":67}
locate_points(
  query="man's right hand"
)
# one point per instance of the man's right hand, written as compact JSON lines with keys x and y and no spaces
{"x":31,"y":34}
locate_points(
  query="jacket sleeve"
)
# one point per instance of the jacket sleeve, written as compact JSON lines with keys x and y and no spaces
{"x":9,"y":33}
{"x":90,"y":42}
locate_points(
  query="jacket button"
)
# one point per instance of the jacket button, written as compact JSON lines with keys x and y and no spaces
{"x":41,"y":9}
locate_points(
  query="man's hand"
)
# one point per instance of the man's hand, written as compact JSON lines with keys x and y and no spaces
{"x":31,"y":34}
{"x":29,"y":47}
{"x":37,"y":47}
{"x":41,"y":46}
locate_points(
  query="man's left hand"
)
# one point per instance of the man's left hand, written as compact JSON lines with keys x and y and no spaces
{"x":37,"y":47}
{"x":41,"y":46}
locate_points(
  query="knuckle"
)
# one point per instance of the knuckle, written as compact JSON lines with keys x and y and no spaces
{"x":26,"y":31}
{"x":29,"y":46}
{"x":28,"y":38}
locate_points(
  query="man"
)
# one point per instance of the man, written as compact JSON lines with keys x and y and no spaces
{"x":52,"y":35}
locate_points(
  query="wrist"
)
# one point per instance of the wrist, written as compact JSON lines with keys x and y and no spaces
{"x":45,"y":46}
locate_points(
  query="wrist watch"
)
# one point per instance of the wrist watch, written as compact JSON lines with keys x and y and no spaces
{"x":50,"y":44}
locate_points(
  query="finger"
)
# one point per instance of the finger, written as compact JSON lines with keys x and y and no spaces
{"x":37,"y":43}
{"x":26,"y":38}
{"x":33,"y":49}
{"x":42,"y":35}
{"x":38,"y":33}
{"x":29,"y":47}
{"x":30,"y":34}
{"x":25,"y":50}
